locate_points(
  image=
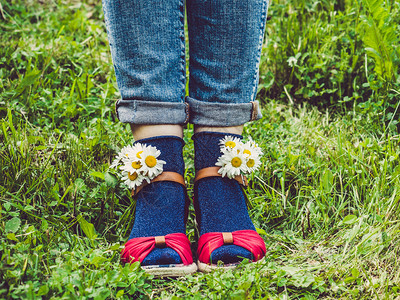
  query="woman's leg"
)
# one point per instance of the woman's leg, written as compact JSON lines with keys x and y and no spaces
{"x":147,"y":45}
{"x":145,"y":131}
{"x":225,"y":41}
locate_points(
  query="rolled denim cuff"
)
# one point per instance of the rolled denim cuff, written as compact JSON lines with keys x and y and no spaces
{"x":222,"y":114}
{"x":152,"y":112}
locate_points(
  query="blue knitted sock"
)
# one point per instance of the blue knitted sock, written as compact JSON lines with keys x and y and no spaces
{"x":219,"y":202}
{"x":161,"y":206}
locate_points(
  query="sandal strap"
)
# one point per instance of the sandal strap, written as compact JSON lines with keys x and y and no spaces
{"x":248,"y":239}
{"x":137,"y":249}
{"x":213,"y":172}
{"x":164,"y":176}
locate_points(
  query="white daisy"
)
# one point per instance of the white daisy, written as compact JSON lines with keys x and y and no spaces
{"x":132,"y":165}
{"x":138,"y":149}
{"x":251,"y":149}
{"x":115,"y":162}
{"x":123,"y":154}
{"x":228,"y":143}
{"x":255,"y":146}
{"x":132,"y":180}
{"x":252,"y":164}
{"x":151,"y":166}
{"x":232,"y":164}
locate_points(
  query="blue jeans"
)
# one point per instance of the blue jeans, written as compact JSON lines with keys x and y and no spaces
{"x":147,"y":42}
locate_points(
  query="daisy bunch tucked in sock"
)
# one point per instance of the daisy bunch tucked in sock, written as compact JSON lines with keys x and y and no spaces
{"x":238,"y":158}
{"x":160,"y":206}
{"x":138,"y":163}
{"x":220,"y":203}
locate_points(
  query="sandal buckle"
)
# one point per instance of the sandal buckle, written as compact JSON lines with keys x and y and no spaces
{"x":160,"y":241}
{"x":227,"y":237}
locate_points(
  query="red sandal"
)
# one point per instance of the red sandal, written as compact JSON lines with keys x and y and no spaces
{"x":208,"y":242}
{"x":137,"y":249}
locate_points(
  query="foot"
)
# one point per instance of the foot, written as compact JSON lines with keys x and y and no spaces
{"x":161,"y":206}
{"x":219,"y":201}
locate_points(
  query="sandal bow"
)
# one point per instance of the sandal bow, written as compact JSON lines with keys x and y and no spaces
{"x":248,"y":239}
{"x":137,"y":249}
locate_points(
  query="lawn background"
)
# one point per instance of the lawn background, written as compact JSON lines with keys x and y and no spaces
{"x":326,"y":199}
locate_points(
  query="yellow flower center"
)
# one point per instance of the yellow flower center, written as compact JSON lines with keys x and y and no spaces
{"x":150,"y":161}
{"x":250,"y":163}
{"x":236,"y":162}
{"x":132,"y":176}
{"x":247,"y":151}
{"x":136,"y":165}
{"x":138,"y":154}
{"x":230,"y":144}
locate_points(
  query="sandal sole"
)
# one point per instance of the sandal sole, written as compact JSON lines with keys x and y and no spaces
{"x":170,"y":270}
{"x":207,"y":268}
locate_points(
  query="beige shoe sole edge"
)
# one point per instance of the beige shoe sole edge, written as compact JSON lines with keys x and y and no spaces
{"x":173,"y":271}
{"x":207,"y":268}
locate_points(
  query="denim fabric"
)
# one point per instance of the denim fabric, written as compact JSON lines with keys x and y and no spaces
{"x":222,"y":114}
{"x":161,"y":206}
{"x":147,"y":44}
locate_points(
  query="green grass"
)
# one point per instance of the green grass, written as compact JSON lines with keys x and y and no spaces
{"x":326,"y":199}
